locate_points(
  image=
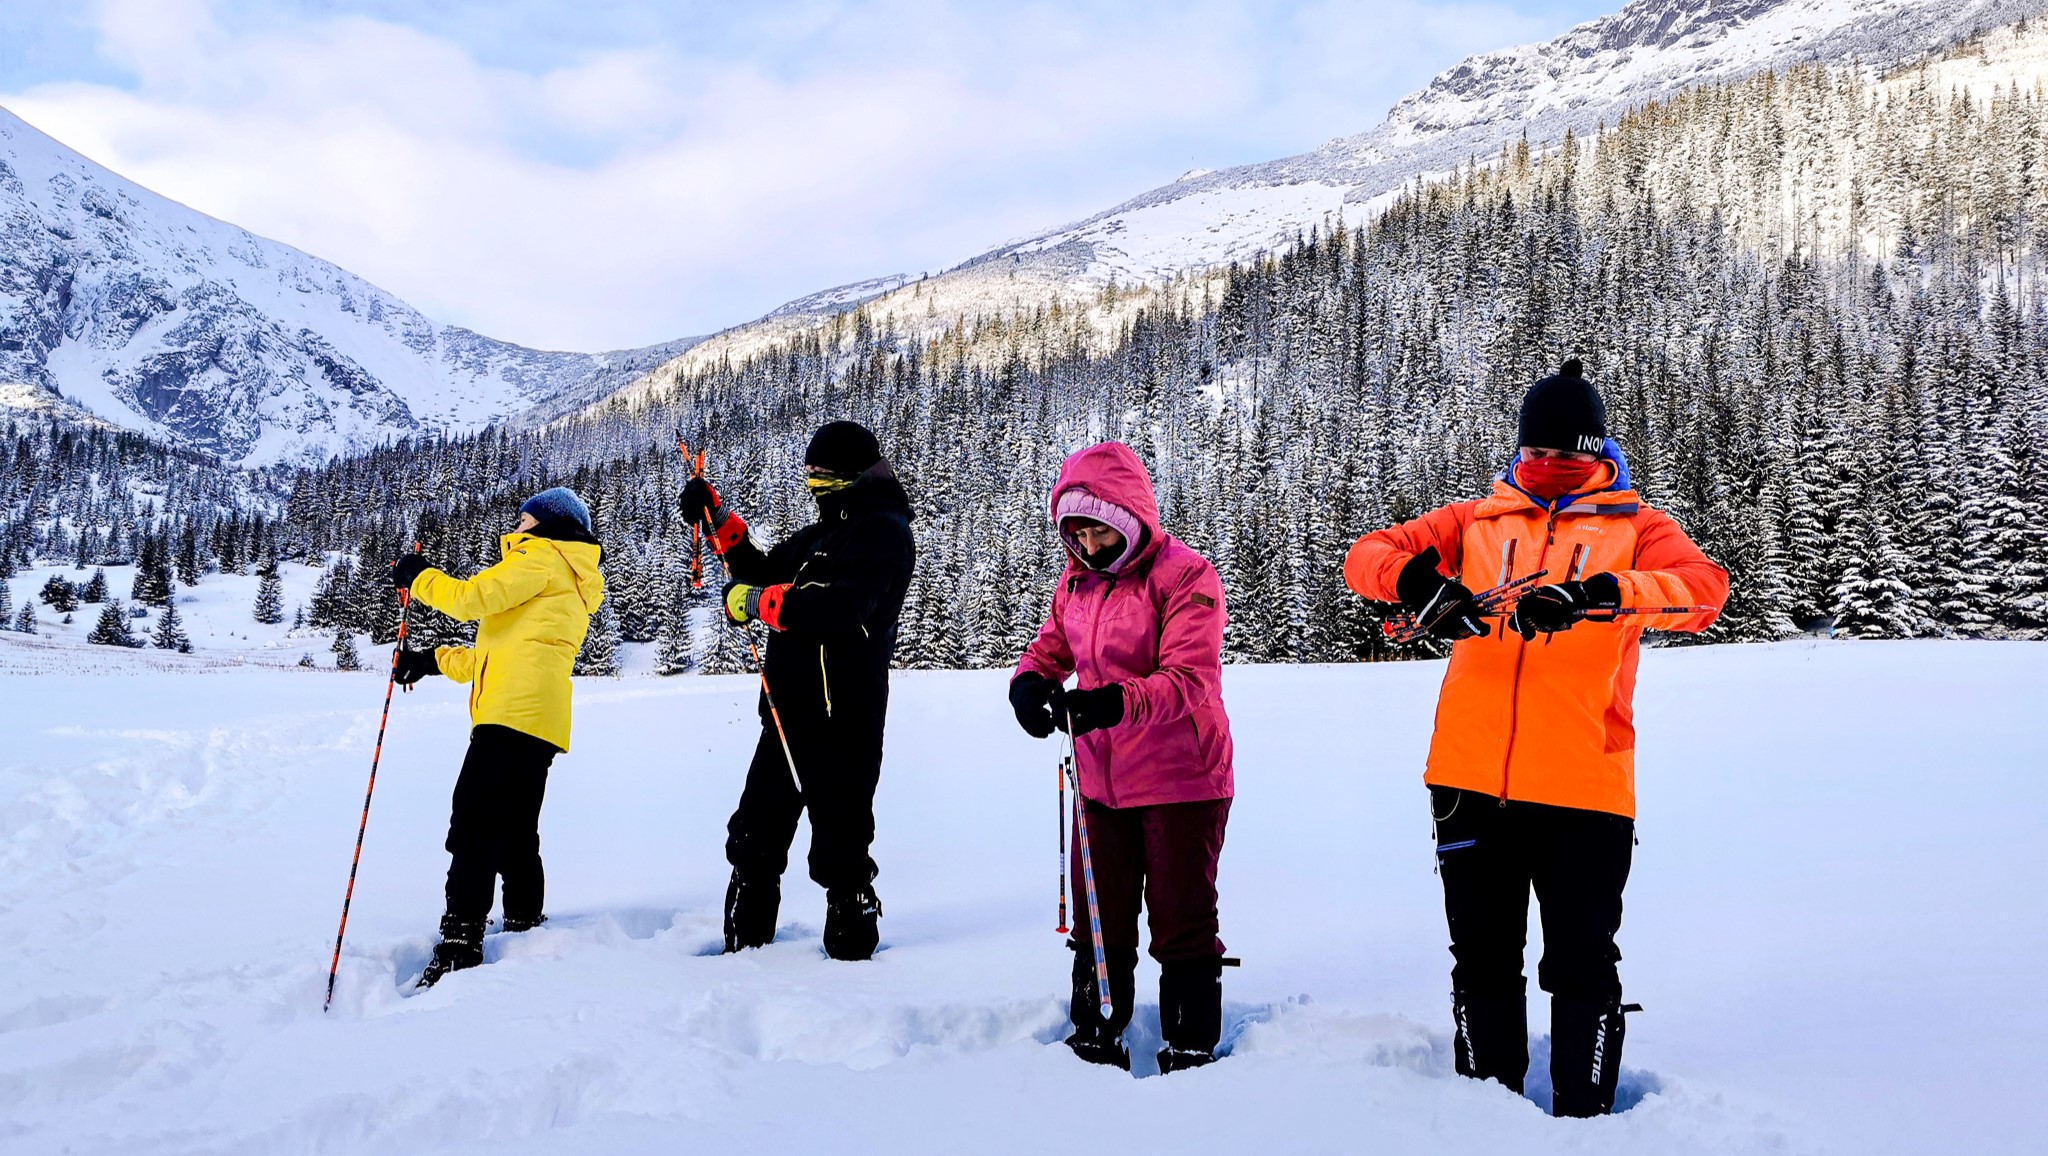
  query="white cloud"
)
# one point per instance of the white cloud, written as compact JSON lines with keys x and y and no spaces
{"x":654,"y":190}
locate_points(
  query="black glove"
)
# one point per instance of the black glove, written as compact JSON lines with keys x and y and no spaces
{"x":1091,"y":710}
{"x":1030,"y":696}
{"x":1561,"y":605}
{"x":406,"y":569}
{"x":414,"y":665}
{"x":700,"y":504}
{"x":1444,"y":607}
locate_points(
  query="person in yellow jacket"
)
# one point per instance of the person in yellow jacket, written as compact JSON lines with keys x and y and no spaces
{"x":532,"y":611}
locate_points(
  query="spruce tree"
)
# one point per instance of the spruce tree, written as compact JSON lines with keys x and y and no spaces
{"x":25,"y":622}
{"x":6,"y":604}
{"x":269,"y":609}
{"x":344,"y":648}
{"x":60,"y":594}
{"x":600,"y":653}
{"x":112,"y":628}
{"x":95,"y":589}
{"x":170,"y":632}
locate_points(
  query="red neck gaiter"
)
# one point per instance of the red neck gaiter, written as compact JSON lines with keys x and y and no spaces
{"x":1553,"y":478}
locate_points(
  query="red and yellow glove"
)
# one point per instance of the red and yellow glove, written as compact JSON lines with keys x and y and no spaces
{"x":744,"y":603}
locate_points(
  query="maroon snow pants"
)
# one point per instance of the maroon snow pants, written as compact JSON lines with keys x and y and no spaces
{"x":1165,"y":855}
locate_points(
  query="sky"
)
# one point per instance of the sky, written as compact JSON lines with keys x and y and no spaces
{"x":604,"y":174}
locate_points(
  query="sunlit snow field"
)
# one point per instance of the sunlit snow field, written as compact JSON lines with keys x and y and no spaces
{"x":1835,"y":924}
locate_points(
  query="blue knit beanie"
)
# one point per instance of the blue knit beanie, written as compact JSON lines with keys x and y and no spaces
{"x":558,"y":504}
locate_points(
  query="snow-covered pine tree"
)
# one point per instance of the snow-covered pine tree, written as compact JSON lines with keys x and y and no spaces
{"x":170,"y":631}
{"x":25,"y":621}
{"x":673,"y":644}
{"x":269,"y":608}
{"x":59,"y":594}
{"x":344,"y":650}
{"x":112,"y":628}
{"x":95,"y":589}
{"x":600,"y":653}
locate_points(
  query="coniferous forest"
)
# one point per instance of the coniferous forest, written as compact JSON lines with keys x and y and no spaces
{"x":1813,"y":301}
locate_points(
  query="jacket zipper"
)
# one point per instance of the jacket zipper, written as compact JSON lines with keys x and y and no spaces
{"x":824,"y":680}
{"x":1108,"y":588}
{"x":1515,"y":688}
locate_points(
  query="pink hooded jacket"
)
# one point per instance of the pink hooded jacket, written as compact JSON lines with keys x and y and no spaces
{"x":1155,"y":625}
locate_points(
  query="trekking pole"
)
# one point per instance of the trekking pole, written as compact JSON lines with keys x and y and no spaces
{"x":1406,"y":628}
{"x":772,"y":712}
{"x":1062,"y":928}
{"x":1088,"y":878}
{"x":1507,"y":571}
{"x":1608,"y":615}
{"x":696,"y":528}
{"x":1572,"y":573}
{"x":376,"y":756}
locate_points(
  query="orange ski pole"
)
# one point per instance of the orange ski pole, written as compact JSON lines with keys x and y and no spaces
{"x":772,"y":712}
{"x":696,"y":528}
{"x":376,"y":756}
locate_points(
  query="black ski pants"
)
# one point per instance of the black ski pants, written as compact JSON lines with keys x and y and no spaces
{"x":1492,"y":855}
{"x":839,"y":780}
{"x":494,"y":824}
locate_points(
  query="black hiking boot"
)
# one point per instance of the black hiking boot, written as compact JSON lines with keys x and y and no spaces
{"x":461,"y":947}
{"x":1190,"y":1013}
{"x":517,"y":923}
{"x":750,"y":909}
{"x":1096,"y":1039}
{"x":1492,"y":1039}
{"x":1098,"y":1047}
{"x":851,"y":922}
{"x":1585,"y":1054}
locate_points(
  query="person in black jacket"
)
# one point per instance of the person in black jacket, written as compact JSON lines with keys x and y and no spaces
{"x":831,"y":596}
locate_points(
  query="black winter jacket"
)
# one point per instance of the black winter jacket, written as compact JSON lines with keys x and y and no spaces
{"x":848,"y":573}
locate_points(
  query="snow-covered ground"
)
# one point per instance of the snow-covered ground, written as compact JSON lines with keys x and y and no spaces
{"x":1836,"y":924}
{"x":218,"y":614}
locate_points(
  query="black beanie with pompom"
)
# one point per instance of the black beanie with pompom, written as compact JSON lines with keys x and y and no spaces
{"x":1564,"y":412}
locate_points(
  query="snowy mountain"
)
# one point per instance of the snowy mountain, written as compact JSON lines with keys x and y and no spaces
{"x":1206,"y":219}
{"x":1590,"y":76}
{"x":163,"y":320}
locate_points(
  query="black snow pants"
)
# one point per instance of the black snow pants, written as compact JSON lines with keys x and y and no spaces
{"x":1490,"y":857}
{"x":494,"y":825}
{"x":840,"y":769}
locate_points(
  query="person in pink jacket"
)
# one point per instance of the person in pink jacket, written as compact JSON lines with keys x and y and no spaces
{"x":1138,"y":616}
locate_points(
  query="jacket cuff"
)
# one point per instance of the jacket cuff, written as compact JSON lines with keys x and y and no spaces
{"x":771,"y":604}
{"x":728,"y":533}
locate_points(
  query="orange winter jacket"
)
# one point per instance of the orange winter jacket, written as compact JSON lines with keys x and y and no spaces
{"x":1546,"y":722}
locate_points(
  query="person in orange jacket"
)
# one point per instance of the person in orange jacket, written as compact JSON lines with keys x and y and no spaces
{"x":1532,"y":765}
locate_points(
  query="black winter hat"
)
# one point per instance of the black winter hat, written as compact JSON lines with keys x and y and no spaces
{"x":844,"y":447}
{"x":1564,"y":412}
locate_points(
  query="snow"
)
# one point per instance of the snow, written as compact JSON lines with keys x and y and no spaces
{"x":1835,"y":923}
{"x":218,"y":615}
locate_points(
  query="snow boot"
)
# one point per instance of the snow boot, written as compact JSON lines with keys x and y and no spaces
{"x":1492,"y":1041}
{"x":1190,"y":1013}
{"x":1585,"y":1054}
{"x":1095,"y":1039}
{"x":750,"y":909}
{"x":461,"y":947}
{"x":851,"y":915}
{"x":517,"y":923}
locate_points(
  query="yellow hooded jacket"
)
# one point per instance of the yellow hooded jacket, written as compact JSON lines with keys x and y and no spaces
{"x":532,"y":609}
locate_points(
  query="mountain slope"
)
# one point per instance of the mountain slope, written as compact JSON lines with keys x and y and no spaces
{"x":161,"y":319}
{"x":1192,"y":228}
{"x":1589,"y":76}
